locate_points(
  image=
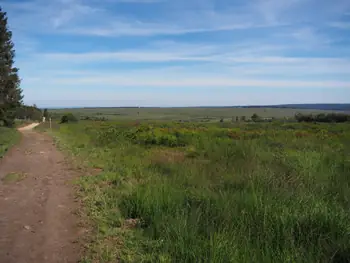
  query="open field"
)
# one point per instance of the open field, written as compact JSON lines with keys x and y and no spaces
{"x":208,"y":192}
{"x":189,"y":114}
{"x":8,"y":137}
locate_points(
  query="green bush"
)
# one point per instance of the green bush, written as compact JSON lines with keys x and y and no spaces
{"x":68,"y":117}
{"x":255,"y":117}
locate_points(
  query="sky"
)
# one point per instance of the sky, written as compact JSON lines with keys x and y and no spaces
{"x":90,"y":53}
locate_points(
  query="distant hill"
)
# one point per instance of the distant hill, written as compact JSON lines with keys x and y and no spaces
{"x":335,"y":106}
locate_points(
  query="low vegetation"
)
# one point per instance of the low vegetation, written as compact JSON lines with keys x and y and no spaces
{"x":8,"y":137}
{"x":13,"y":177}
{"x":215,"y":192}
{"x":68,"y":117}
{"x":195,"y":114}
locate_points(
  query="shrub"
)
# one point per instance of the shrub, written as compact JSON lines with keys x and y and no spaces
{"x":69,"y":117}
{"x":255,"y":117}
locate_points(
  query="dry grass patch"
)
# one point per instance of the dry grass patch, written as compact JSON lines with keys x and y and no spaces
{"x":167,"y":156}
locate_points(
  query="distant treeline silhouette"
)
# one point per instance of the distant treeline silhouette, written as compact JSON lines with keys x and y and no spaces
{"x":322,"y":117}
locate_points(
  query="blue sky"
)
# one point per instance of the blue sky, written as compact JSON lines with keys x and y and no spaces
{"x":181,"y":52}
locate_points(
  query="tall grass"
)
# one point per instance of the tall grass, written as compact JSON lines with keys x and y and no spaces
{"x":207,"y":193}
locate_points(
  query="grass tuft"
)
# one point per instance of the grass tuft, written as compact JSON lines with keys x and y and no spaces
{"x":13,"y":177}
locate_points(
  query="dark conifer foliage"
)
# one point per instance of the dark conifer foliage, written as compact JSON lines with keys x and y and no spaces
{"x":10,"y":92}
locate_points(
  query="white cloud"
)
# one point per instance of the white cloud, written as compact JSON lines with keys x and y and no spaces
{"x":274,"y":11}
{"x":309,"y":36}
{"x":124,"y":57}
{"x":222,"y":63}
{"x":340,"y":25}
{"x":293,"y":50}
{"x":45,"y":16}
{"x":173,"y":80}
{"x":135,"y":1}
{"x":74,"y":17}
{"x":191,"y":16}
{"x":119,"y":97}
{"x":136,"y":28}
{"x":217,"y":55}
{"x":69,"y":11}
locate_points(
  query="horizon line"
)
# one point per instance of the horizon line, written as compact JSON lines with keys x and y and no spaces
{"x":198,"y":106}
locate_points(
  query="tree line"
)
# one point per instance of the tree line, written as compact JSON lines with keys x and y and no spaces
{"x":31,"y":113}
{"x":323,"y":117}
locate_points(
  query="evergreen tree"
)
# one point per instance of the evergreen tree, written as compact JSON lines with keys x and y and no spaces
{"x":10,"y":92}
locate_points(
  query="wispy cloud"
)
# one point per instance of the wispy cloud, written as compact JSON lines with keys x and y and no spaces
{"x":194,"y":61}
{"x":178,"y":45}
{"x":159,"y":82}
{"x":47,"y":15}
{"x":190,"y":17}
{"x":69,"y":11}
{"x":135,"y":1}
{"x":93,"y":18}
{"x":137,"y":28}
{"x":219,"y":54}
{"x":340,"y":25}
{"x":310,"y":37}
{"x":274,"y":11}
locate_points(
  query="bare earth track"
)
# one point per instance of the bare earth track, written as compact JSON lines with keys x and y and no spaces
{"x":37,"y":221}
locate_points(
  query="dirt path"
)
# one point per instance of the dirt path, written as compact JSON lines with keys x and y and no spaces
{"x":37,"y":221}
{"x":29,"y":127}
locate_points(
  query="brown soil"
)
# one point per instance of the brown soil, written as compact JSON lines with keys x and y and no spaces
{"x":37,"y":213}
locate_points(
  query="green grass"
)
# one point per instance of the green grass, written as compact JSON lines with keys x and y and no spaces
{"x":268,"y":192}
{"x":13,"y":177}
{"x":45,"y":126}
{"x":8,"y":137}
